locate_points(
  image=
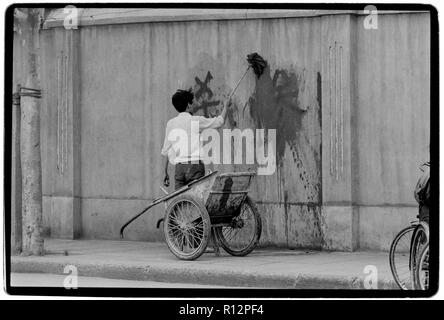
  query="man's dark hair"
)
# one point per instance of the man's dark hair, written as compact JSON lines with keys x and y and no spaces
{"x":181,"y":99}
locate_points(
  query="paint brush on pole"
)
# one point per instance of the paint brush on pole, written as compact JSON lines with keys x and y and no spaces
{"x":257,"y":63}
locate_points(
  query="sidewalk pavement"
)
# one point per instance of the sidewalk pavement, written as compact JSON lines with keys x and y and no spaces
{"x":263,"y":268}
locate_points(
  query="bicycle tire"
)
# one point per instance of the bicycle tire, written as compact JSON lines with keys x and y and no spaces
{"x":423,"y":260}
{"x":393,"y":266}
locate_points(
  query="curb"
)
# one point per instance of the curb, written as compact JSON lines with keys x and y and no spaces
{"x":163,"y":273}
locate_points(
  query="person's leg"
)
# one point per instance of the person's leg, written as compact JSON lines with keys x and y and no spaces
{"x":195,"y":171}
{"x":424,"y":213}
{"x":179,"y":176}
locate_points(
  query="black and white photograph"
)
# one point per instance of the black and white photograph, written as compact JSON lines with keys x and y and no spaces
{"x":221,"y":150}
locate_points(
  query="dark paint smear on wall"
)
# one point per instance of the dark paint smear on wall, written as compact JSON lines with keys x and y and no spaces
{"x":319,"y":218}
{"x":319,"y":159}
{"x":275,"y":105}
{"x":204,"y":95}
{"x":206,"y":103}
{"x":286,"y":207}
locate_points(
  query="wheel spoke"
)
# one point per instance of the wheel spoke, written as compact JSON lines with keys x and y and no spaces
{"x":173,"y":225}
{"x":196,"y":238}
{"x":186,"y":239}
{"x":175,"y":233}
{"x":181,"y":241}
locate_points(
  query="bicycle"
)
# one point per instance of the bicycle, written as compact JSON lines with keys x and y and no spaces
{"x":399,"y":257}
{"x":408,"y":255}
{"x":405,"y":252}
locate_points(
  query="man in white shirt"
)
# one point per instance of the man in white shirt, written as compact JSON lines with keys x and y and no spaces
{"x":185,"y":153}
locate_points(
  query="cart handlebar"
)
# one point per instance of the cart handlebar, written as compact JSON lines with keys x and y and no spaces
{"x":162,"y":199}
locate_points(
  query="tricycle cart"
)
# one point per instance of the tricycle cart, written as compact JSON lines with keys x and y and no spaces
{"x":217,"y":206}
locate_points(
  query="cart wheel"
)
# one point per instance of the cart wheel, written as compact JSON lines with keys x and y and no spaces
{"x":242,"y":236}
{"x":186,"y":227}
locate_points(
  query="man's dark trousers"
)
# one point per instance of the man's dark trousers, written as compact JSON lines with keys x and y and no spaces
{"x":187,"y":172}
{"x":184,"y":174}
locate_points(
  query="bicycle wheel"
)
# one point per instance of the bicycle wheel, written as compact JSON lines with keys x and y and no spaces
{"x":399,"y":258}
{"x":419,"y":241}
{"x":421,"y":276}
{"x":244,"y":232}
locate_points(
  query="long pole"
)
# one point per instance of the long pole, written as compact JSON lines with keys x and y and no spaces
{"x":237,"y":85}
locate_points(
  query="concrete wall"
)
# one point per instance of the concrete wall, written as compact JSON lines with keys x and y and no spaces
{"x":375,"y":127}
{"x":127,"y":76}
{"x":349,"y":139}
{"x":391,"y":124}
